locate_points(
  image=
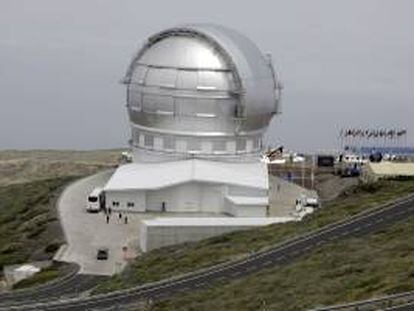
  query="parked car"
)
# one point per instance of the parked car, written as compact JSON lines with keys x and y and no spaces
{"x":102,"y":254}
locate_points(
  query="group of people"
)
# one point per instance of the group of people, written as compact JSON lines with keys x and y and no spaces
{"x":108,"y":214}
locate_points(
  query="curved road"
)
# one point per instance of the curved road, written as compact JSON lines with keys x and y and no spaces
{"x":86,"y":232}
{"x":71,"y":284}
{"x":282,"y":253}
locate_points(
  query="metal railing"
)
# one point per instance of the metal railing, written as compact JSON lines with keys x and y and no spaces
{"x":381,"y":303}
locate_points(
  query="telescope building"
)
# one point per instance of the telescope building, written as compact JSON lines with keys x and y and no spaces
{"x":199,"y":100}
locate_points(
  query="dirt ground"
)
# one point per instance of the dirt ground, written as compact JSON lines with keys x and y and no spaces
{"x":330,"y":186}
{"x":24,"y":166}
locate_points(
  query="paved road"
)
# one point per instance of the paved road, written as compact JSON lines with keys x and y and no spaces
{"x":71,"y":286}
{"x":283,"y":253}
{"x":86,"y":232}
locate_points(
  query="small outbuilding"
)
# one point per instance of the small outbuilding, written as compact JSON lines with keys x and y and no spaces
{"x":385,"y":169}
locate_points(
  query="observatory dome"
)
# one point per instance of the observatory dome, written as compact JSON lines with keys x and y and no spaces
{"x":199,"y":91}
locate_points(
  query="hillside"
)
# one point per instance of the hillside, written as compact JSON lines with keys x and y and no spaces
{"x":30,"y":183}
{"x":18,"y":166}
{"x":169,"y":261}
{"x":29,"y":228}
{"x":344,"y":271}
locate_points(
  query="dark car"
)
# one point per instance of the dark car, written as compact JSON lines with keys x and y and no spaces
{"x":102,"y":253}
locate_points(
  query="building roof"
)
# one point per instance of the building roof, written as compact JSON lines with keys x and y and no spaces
{"x":392,"y":169}
{"x":214,"y":221}
{"x":147,"y":176}
{"x":209,"y":46}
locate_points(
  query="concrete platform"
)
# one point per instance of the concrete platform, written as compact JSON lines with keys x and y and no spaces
{"x":86,"y":232}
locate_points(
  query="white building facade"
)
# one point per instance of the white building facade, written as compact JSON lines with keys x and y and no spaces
{"x":190,"y":186}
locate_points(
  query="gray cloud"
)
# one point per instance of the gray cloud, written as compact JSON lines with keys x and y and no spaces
{"x":341,"y":62}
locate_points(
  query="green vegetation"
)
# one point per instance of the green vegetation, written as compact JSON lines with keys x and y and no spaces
{"x":29,"y":227}
{"x":348,"y":270}
{"x":30,"y":181}
{"x":169,"y":261}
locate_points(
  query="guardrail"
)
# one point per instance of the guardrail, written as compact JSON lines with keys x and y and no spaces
{"x":383,"y":303}
{"x":405,"y":307}
{"x":277,"y":253}
{"x":71,"y":285}
{"x":73,"y":269}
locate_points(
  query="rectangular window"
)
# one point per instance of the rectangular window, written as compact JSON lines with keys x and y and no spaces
{"x":115,"y":203}
{"x":135,"y":135}
{"x":169,"y":143}
{"x":256,"y":143}
{"x":148,"y":140}
{"x":219,"y":145}
{"x":157,"y":143}
{"x":194,"y":145}
{"x":130,"y":204}
{"x":241,"y":144}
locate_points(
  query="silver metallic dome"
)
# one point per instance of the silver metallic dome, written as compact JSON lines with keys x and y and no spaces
{"x":199,"y":91}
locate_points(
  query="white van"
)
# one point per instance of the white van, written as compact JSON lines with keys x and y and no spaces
{"x":95,"y":200}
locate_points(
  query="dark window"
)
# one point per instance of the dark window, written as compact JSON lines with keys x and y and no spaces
{"x":130,"y":204}
{"x":115,"y":203}
{"x":194,"y":145}
{"x":240,"y":144}
{"x":169,"y":142}
{"x":135,"y":135}
{"x":149,"y":140}
{"x":93,"y":199}
{"x":256,"y":143}
{"x":219,"y":145}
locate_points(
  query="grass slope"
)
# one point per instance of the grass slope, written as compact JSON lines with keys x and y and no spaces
{"x":344,"y":271}
{"x":30,"y":181}
{"x":29,"y":229}
{"x":168,"y":261}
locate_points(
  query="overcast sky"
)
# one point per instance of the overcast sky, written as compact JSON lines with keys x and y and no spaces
{"x":342,"y":63}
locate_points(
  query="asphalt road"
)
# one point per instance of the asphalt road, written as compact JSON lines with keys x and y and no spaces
{"x":71,"y":284}
{"x":280,"y":254}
